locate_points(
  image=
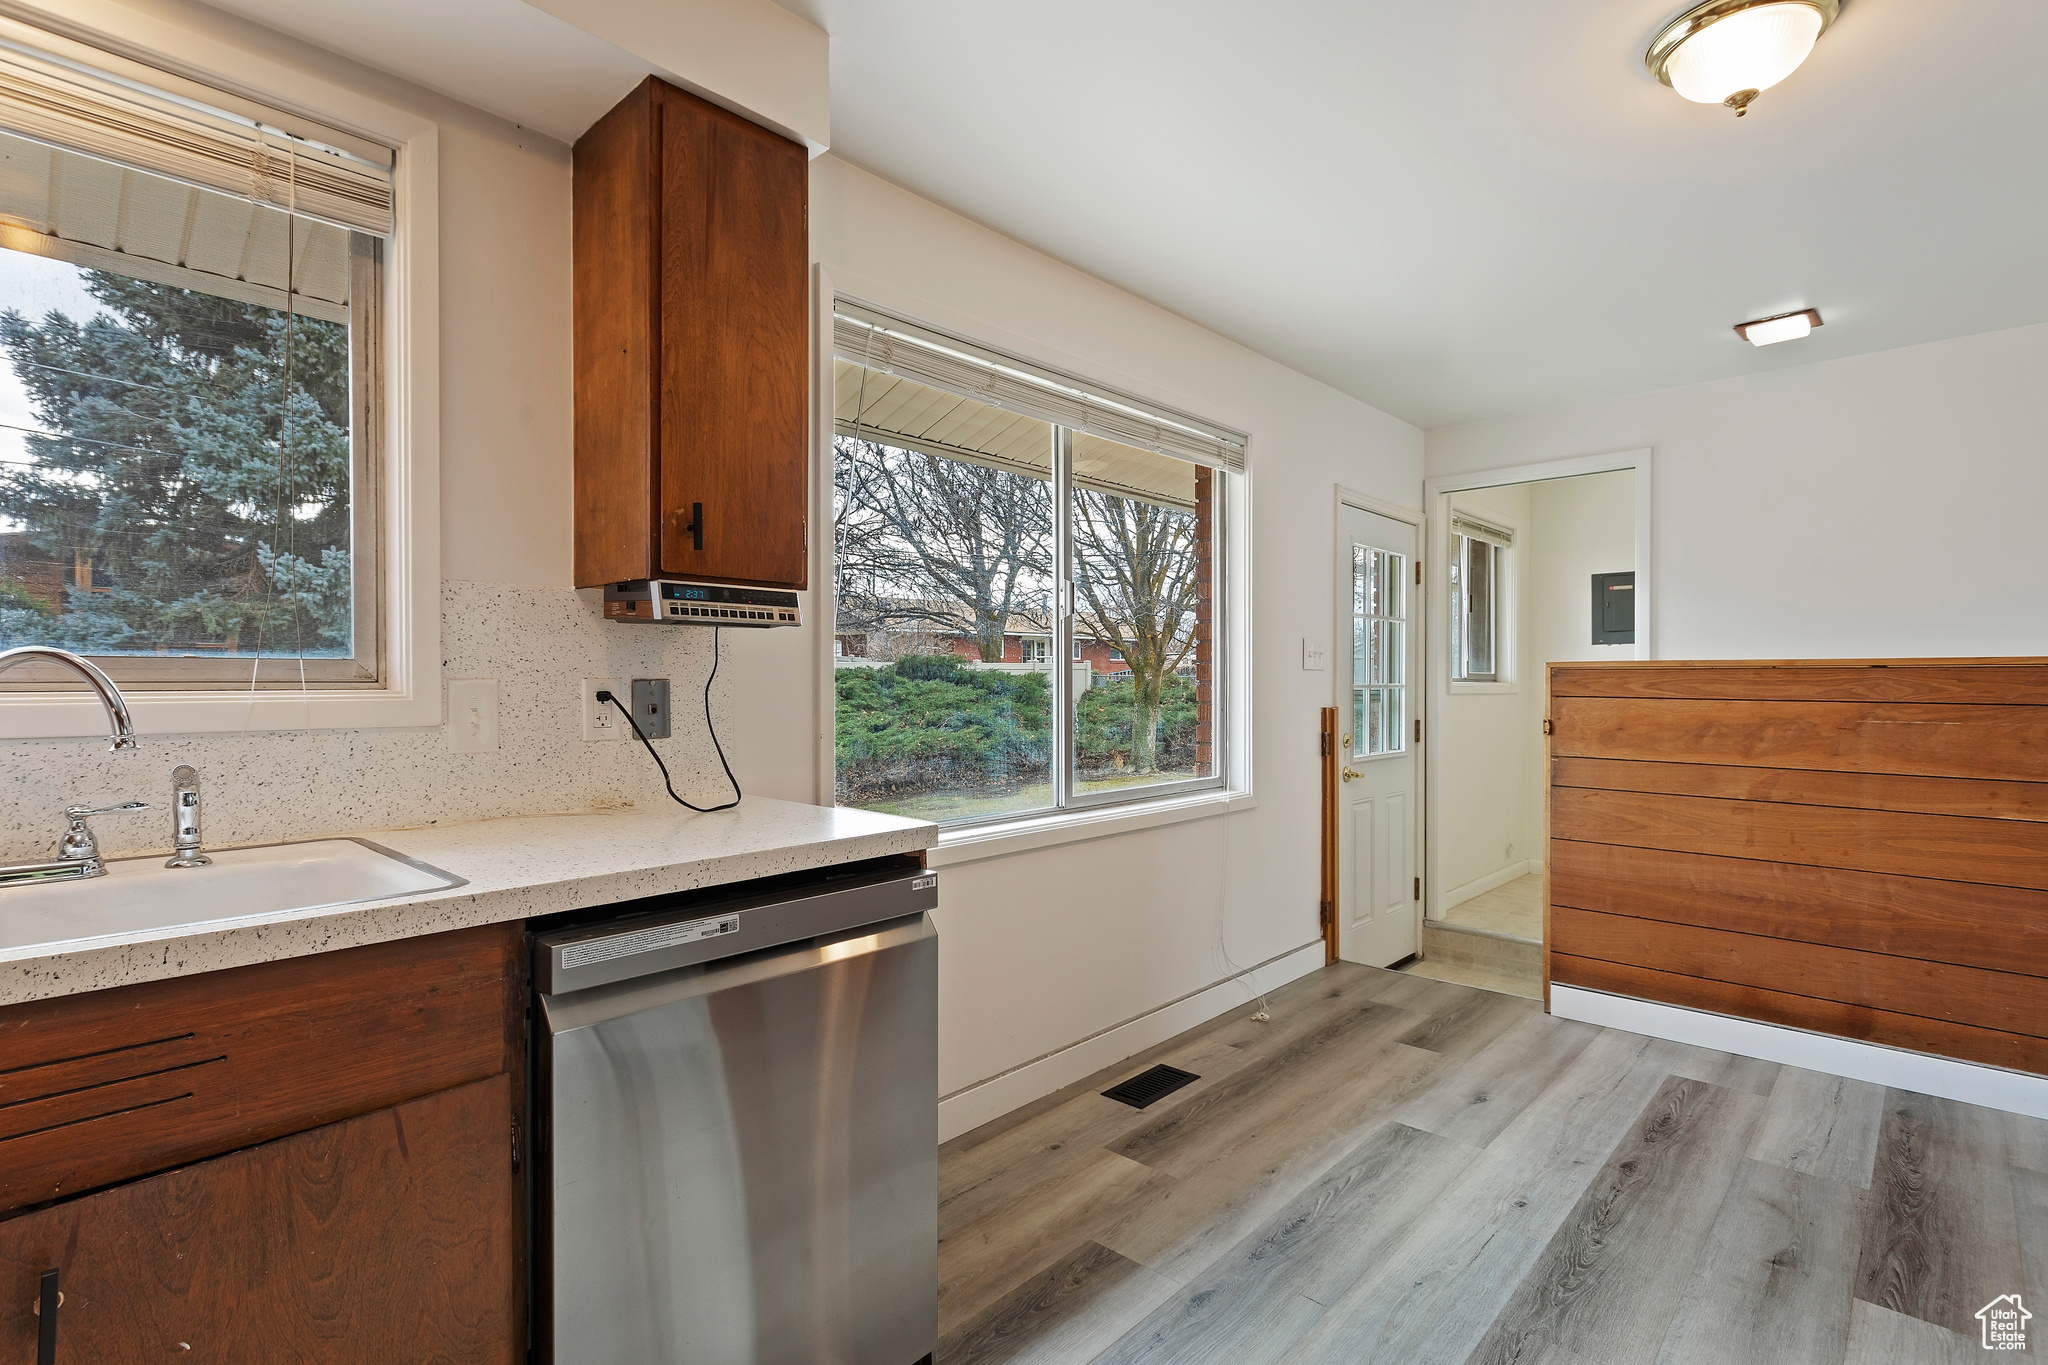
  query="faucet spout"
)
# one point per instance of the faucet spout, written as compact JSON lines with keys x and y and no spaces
{"x":120,"y":729}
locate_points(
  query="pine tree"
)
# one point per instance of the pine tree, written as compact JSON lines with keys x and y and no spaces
{"x":198,"y":460}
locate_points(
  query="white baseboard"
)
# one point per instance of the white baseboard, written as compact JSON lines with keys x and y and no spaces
{"x":1458,"y":895}
{"x":965,"y":1110}
{"x":1994,"y":1087}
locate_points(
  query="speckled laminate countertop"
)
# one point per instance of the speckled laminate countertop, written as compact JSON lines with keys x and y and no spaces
{"x":514,"y":868}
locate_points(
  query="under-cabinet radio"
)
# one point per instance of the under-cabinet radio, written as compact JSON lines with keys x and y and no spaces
{"x":700,"y":604}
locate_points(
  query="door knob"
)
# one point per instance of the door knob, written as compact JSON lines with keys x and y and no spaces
{"x":1350,"y":773}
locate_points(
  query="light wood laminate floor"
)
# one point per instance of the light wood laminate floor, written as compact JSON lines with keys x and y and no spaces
{"x":1415,"y":1172}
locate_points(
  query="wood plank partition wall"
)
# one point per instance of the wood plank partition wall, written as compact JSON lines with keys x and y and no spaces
{"x":1854,"y":848}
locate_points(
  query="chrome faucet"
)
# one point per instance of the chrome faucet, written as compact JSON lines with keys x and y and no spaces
{"x":78,"y":854}
{"x":120,"y":729}
{"x":185,"y":815}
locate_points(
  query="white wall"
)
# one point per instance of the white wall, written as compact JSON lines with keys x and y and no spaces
{"x":1045,"y":948}
{"x":1485,"y":825}
{"x":1883,"y":506}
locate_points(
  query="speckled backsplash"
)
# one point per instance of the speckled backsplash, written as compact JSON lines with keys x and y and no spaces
{"x":539,"y":643}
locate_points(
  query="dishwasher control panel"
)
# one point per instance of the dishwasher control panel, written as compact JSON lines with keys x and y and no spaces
{"x":638,"y":944}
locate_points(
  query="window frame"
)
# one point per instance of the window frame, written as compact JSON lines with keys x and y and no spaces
{"x":403,"y":414}
{"x":1065,"y":797}
{"x":1460,"y":598}
{"x":1072,"y":815}
{"x":1507,"y":604}
{"x":142,"y":673}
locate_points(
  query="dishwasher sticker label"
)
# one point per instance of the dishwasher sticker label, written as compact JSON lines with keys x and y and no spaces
{"x":647,"y":940}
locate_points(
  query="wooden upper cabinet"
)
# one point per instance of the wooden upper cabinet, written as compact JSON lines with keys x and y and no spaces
{"x":692,"y":327}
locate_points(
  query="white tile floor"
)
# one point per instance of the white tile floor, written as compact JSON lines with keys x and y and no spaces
{"x":1515,"y":908}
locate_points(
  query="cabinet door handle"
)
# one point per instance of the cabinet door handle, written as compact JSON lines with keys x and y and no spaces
{"x":46,"y":1309}
{"x":696,"y":526}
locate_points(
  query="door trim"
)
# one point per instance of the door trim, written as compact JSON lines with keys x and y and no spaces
{"x":1419,"y":638}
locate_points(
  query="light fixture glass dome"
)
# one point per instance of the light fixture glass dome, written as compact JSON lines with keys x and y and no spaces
{"x":1730,"y":51}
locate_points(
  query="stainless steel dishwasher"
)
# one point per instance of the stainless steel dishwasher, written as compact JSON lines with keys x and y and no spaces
{"x":736,"y":1145}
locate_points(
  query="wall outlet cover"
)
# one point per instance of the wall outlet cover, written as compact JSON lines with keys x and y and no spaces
{"x":650,"y":706}
{"x":473,"y":715}
{"x":602,"y":720}
{"x":1312,"y":654}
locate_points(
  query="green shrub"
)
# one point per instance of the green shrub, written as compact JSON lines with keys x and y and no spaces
{"x":1103,"y":719}
{"x":930,"y":722}
{"x":13,"y":594}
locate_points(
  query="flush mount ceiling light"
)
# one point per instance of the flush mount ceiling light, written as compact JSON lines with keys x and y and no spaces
{"x":1783,"y":327}
{"x":1730,"y":51}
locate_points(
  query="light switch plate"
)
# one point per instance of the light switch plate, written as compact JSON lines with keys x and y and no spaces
{"x":1312,"y":652}
{"x":602,"y":720}
{"x":473,"y":715}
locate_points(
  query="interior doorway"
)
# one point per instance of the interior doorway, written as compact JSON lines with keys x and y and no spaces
{"x":1525,"y":567}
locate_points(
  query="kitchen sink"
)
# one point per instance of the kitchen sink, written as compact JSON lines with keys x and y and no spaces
{"x":141,"y":895}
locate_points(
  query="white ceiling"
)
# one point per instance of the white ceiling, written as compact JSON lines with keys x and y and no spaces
{"x":1454,"y":209}
{"x":1451,"y":209}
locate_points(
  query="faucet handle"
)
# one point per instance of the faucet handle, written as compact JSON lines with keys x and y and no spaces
{"x":77,"y":843}
{"x":81,"y":812}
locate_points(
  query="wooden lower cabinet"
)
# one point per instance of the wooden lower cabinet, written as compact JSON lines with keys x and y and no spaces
{"x":391,"y":1237}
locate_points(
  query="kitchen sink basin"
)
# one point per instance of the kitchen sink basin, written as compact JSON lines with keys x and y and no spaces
{"x":141,"y":895}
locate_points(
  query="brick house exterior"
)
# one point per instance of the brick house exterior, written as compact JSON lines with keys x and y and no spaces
{"x":1021,"y":634}
{"x":36,"y":572}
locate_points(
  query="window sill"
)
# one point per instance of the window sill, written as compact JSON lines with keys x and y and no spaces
{"x":47,"y":715}
{"x":1481,"y":689}
{"x":1070,"y":827}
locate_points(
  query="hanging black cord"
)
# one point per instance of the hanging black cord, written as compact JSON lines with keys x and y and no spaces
{"x":666,"y":781}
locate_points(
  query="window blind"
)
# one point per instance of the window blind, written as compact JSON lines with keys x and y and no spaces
{"x":96,"y":113}
{"x":879,"y":341}
{"x":1466,"y":525}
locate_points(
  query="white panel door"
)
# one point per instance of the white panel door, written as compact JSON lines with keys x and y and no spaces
{"x":1378,"y":675}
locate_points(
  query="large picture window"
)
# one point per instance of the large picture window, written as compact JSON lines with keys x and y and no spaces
{"x":188,"y":387}
{"x":978,"y":539}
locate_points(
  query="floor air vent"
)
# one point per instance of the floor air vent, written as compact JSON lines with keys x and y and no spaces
{"x":1148,"y":1086}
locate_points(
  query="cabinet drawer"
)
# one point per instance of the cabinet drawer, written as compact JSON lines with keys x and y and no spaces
{"x":115,"y":1084}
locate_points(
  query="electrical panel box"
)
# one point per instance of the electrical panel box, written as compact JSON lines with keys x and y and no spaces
{"x":1614,"y":608}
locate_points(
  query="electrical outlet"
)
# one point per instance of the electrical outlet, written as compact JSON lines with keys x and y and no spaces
{"x":601,"y":719}
{"x":650,"y":706}
{"x":473,"y":716}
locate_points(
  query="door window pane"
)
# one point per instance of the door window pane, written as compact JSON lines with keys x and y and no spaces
{"x":1379,"y":597}
{"x":1142,"y":527}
